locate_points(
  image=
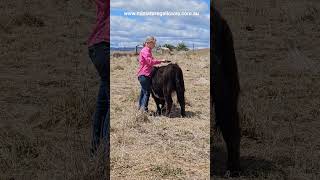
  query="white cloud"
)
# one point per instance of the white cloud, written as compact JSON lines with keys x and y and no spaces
{"x":128,"y":32}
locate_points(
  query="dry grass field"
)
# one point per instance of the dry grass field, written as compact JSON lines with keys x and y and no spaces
{"x":277,"y":46}
{"x":158,"y":147}
{"x":48,"y":89}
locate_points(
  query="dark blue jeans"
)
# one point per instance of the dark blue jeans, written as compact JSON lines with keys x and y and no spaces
{"x":100,"y":57}
{"x":145,"y":83}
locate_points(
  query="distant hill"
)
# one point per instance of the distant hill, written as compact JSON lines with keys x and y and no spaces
{"x":134,"y":49}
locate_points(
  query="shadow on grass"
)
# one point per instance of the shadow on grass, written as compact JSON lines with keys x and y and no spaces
{"x":251,"y":167}
{"x":176,"y":113}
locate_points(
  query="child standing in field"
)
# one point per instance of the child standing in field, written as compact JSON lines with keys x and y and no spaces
{"x":146,"y":62}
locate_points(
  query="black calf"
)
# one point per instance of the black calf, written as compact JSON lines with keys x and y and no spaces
{"x":166,"y":80}
{"x":225,"y":87}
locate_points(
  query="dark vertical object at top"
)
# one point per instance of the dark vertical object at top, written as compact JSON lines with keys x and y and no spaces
{"x":224,"y":89}
{"x":137,"y":49}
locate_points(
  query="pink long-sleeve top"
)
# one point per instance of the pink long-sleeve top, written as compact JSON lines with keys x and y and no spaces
{"x":146,"y":61}
{"x":100,"y":32}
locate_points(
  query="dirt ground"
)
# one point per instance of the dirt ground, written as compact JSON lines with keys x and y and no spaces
{"x":277,"y":48}
{"x":153,"y":147}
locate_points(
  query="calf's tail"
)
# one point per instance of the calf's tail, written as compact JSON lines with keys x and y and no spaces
{"x":179,"y":81}
{"x":180,"y":91}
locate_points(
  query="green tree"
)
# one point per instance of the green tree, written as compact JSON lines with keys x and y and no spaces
{"x":182,"y":47}
{"x":170,"y":46}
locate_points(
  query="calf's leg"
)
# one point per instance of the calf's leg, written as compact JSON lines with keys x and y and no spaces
{"x":158,"y":103}
{"x":181,"y":100}
{"x":169,"y":102}
{"x":230,"y":129}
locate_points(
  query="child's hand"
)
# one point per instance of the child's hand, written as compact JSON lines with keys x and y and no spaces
{"x":165,"y":61}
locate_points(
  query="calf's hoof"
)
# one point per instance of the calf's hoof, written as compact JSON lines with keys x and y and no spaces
{"x":158,"y":113}
{"x":168,"y":115}
{"x":233,"y":170}
{"x":230,"y":173}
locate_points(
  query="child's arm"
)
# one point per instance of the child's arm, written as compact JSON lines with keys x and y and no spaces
{"x":149,"y":59}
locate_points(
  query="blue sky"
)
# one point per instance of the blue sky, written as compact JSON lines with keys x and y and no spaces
{"x":128,"y":31}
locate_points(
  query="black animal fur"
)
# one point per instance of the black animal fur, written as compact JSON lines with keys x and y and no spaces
{"x":165,"y":80}
{"x":225,"y":87}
